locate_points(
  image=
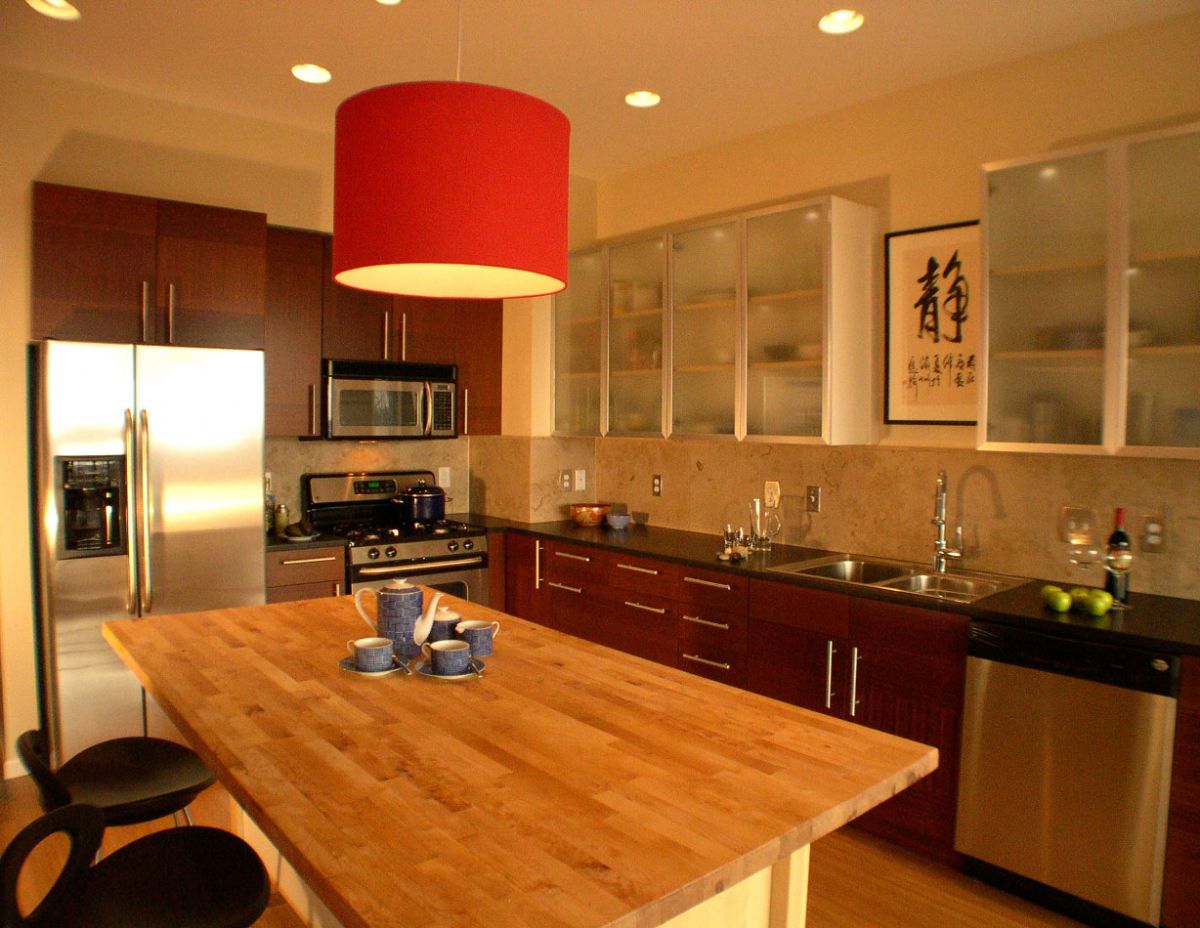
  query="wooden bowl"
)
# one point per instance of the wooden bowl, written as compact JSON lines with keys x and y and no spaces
{"x":589,"y":513}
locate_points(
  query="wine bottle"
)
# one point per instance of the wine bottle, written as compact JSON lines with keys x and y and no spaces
{"x":1118,"y":559}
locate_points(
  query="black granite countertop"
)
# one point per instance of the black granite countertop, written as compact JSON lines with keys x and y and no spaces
{"x":1156,"y":622}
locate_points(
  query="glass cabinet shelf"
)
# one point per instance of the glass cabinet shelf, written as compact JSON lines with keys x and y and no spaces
{"x":1093,"y":299}
{"x":755,"y":326}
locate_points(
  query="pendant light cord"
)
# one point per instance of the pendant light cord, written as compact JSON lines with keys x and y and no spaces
{"x":458,"y":65}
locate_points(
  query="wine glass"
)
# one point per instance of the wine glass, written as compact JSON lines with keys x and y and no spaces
{"x":1118,"y":561}
{"x":1077,"y":526}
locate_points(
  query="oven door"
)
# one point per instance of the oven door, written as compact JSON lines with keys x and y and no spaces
{"x":362,"y":408}
{"x":465,"y":578}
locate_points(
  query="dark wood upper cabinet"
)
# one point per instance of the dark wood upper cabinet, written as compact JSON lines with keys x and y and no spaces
{"x":112,"y":267}
{"x":426,"y":329}
{"x":212,"y":270}
{"x":357,"y":324}
{"x":478,"y":340}
{"x":292,"y":331}
{"x":93,"y":265}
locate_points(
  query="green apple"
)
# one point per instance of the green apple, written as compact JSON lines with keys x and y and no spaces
{"x":1099,"y":602}
{"x":1050,"y":588}
{"x":1059,"y":601}
{"x":1079,"y":595}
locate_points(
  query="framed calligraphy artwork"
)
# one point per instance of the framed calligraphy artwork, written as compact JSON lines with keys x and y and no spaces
{"x":933,"y":320}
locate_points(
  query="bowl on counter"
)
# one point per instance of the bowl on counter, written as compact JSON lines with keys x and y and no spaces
{"x":589,"y":513}
{"x":617,"y":520}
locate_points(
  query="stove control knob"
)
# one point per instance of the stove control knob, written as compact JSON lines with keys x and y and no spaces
{"x":373,"y":554}
{"x":468,"y":545}
{"x":452,"y":546}
{"x":390,"y":552}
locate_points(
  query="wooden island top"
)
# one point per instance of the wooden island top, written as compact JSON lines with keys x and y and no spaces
{"x":571,"y":785}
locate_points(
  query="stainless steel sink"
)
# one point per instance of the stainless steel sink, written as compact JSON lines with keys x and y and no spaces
{"x":902,"y":577}
{"x":959,"y":588}
{"x":849,"y":569}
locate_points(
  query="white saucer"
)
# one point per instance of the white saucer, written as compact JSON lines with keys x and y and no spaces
{"x":347,"y":664}
{"x":298,"y":537}
{"x":424,"y":669}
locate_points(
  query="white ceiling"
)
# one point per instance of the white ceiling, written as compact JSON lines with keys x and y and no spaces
{"x":725,"y":68}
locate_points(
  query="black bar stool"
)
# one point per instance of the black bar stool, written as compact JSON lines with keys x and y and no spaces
{"x":192,"y":877}
{"x":129,"y":779}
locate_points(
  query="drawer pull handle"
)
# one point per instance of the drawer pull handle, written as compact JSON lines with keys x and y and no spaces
{"x":646,"y":608}
{"x":640,"y":570}
{"x":309,"y":560}
{"x":720,"y":665}
{"x":724,"y":626}
{"x":573,"y":557}
{"x":712,"y":583}
{"x":563,"y":586}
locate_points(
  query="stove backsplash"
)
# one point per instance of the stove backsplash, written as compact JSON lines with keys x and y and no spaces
{"x":288,"y":458}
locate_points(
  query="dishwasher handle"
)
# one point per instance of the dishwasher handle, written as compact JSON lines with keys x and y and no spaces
{"x":1131,"y":668}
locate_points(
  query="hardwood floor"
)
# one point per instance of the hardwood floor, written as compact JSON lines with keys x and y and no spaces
{"x":856,"y":880}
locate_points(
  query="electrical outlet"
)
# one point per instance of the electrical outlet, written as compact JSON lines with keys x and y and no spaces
{"x":564,"y":480}
{"x":444,"y":477}
{"x":812,"y":499}
{"x":581,"y":480}
{"x":771,"y":494}
{"x":1154,"y":534}
{"x":656,"y":485}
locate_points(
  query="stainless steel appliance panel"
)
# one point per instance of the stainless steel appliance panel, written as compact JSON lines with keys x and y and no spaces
{"x":88,"y":694}
{"x":200,"y":437}
{"x":1066,"y":781}
{"x":187,"y":423}
{"x":465,"y":579}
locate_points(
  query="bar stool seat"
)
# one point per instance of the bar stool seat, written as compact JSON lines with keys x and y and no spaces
{"x":131,"y":780}
{"x":192,"y":877}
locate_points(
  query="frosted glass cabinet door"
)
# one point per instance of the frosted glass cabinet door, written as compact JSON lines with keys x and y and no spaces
{"x":1047,"y":301}
{"x":704,"y":330}
{"x":1163,"y":398}
{"x":785,"y":321}
{"x":635,"y":337}
{"x":577,"y":316}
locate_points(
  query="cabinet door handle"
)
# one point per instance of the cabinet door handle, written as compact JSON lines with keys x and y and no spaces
{"x":170,"y":314}
{"x":830,"y":650}
{"x":724,"y":626}
{"x":387,"y":324}
{"x":563,"y":586}
{"x":854,"y":659}
{"x":714,"y":584}
{"x":720,"y":665}
{"x":308,"y":560}
{"x":573,"y":557}
{"x":646,"y":608}
{"x":145,"y":310}
{"x":404,"y":336}
{"x":337,"y":588}
{"x":466,"y":410}
{"x":314,"y":409}
{"x":639,"y":570}
{"x":537,"y":565}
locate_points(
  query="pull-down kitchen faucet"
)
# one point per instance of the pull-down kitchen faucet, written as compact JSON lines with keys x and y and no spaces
{"x":942,"y":553}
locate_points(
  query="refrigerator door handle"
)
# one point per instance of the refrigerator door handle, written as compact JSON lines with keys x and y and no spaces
{"x":147,"y":585}
{"x":131,"y":594}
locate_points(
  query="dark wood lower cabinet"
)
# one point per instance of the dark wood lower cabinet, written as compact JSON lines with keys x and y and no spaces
{"x":1181,"y":891}
{"x":796,"y":666}
{"x":525,"y":594}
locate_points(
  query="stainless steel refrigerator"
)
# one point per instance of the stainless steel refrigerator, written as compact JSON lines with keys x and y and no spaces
{"x":148,"y":465}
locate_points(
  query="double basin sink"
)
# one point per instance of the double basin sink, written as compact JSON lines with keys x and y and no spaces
{"x":903,"y":577}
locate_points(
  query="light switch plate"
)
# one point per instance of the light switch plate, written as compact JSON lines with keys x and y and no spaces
{"x":771,"y":494}
{"x":812,"y":499}
{"x":581,"y":480}
{"x":444,"y":477}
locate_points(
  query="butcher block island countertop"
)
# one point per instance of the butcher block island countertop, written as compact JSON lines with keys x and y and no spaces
{"x":571,"y":785}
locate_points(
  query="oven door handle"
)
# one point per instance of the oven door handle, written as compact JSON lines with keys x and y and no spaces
{"x":423,"y":567}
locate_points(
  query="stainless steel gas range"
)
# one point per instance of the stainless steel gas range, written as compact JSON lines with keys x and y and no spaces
{"x":446,"y":555}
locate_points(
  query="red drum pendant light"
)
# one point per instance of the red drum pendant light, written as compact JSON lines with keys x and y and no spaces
{"x":449,"y":189}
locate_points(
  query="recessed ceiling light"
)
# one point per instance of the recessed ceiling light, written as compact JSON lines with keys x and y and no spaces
{"x":311,"y":74}
{"x":388,"y":2}
{"x":839,"y":22}
{"x":55,"y":9}
{"x":642,"y":98}
{"x":1049,"y":172}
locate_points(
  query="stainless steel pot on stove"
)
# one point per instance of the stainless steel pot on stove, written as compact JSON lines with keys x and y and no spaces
{"x":422,"y":503}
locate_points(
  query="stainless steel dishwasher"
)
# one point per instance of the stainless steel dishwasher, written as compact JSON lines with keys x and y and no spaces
{"x":1066,"y":770}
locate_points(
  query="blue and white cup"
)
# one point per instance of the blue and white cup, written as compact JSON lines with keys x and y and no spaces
{"x":479,"y":635}
{"x":448,"y":658}
{"x":445,"y":620}
{"x":398,"y":605}
{"x":371,"y":655}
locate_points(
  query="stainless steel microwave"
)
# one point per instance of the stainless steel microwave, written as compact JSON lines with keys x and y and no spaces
{"x":386,"y":399}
